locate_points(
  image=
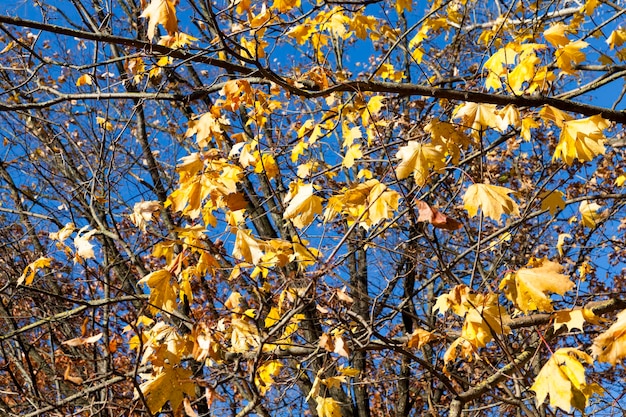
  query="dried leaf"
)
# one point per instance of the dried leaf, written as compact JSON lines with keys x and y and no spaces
{"x":610,"y":346}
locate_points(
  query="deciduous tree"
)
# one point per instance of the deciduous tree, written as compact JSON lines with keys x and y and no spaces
{"x":328,"y":208}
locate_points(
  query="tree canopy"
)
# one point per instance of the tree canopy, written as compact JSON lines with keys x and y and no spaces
{"x":350,"y":208}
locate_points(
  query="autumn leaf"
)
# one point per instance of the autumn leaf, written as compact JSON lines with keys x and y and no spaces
{"x":435,"y":217}
{"x":84,"y":79}
{"x":492,"y":199}
{"x":590,"y":213}
{"x":581,"y":139}
{"x":84,"y":248}
{"x":284,"y":6}
{"x":327,"y":407}
{"x":162,"y":290}
{"x":79,"y":341}
{"x":616,"y":38}
{"x":528,"y":288}
{"x":68,"y":377}
{"x":418,"y":159}
{"x":143,"y":212}
{"x":610,"y":346}
{"x":552,"y":201}
{"x":63,"y":233}
{"x":265,"y":374}
{"x":563,"y":378}
{"x":171,"y":384}
{"x":478,"y":116}
{"x":31,"y":269}
{"x":161,"y":12}
{"x":575,"y":319}
{"x":303,"y":204}
{"x":419,"y":338}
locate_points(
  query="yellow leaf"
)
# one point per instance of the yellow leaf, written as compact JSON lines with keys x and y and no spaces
{"x":589,"y":7}
{"x":581,"y":139}
{"x":619,"y":181}
{"x":248,"y":248}
{"x":549,"y":113}
{"x":528,"y":288}
{"x":64,"y":233}
{"x":509,"y":116}
{"x":402,"y":5}
{"x":570,"y":55}
{"x":8,"y":47}
{"x":478,"y":116}
{"x":284,"y":6}
{"x":552,"y":201}
{"x":303,"y":204}
{"x":162,"y":290}
{"x":610,"y":346}
{"x":161,"y":12}
{"x":418,"y":159}
{"x":31,"y":269}
{"x":264,"y":375}
{"x":617,"y":38}
{"x":170,"y":384}
{"x":483,"y":319}
{"x":589,"y":213}
{"x":84,"y":79}
{"x":574,"y":319}
{"x":492,"y":199}
{"x":354,"y":152}
{"x":419,"y":338}
{"x":327,"y":407}
{"x":555,"y":34}
{"x":527,"y":124}
{"x":563,"y":378}
{"x":561,"y":242}
{"x":382,"y":202}
{"x":374,"y":105}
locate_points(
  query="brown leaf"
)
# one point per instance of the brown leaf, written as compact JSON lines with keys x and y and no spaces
{"x":436,"y":218}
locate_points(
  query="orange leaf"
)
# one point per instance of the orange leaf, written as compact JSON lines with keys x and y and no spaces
{"x":436,"y":218}
{"x":161,"y":12}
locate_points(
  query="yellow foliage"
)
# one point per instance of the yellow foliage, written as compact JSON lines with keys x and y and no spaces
{"x":492,"y":199}
{"x":303,"y":204}
{"x":163,"y":290}
{"x":581,"y":139}
{"x":169,"y":383}
{"x":418,"y":159}
{"x":563,"y":378}
{"x":31,"y":269}
{"x":610,"y":346}
{"x":528,"y":288}
{"x":161,"y":12}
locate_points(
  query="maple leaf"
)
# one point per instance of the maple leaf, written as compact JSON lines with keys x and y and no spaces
{"x":563,"y":378}
{"x":575,"y":319}
{"x":483,"y":319}
{"x":382,"y":202}
{"x":418,"y":159}
{"x":142,"y":213}
{"x":610,"y":346}
{"x":162,"y":290}
{"x":552,"y":201}
{"x":590,"y":215}
{"x":248,"y":248}
{"x":63,"y":233}
{"x":161,"y":12}
{"x":552,"y":114}
{"x":492,"y":199}
{"x":303,"y":204}
{"x":617,"y":38}
{"x":419,"y":338}
{"x":528,"y":287}
{"x":555,"y":34}
{"x":31,"y":269}
{"x":84,"y":249}
{"x":171,"y":383}
{"x":570,"y":55}
{"x":436,"y":218}
{"x":284,"y":6}
{"x":84,"y":79}
{"x":327,"y":407}
{"x":264,"y":375}
{"x":478,"y":116}
{"x":581,"y":139}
